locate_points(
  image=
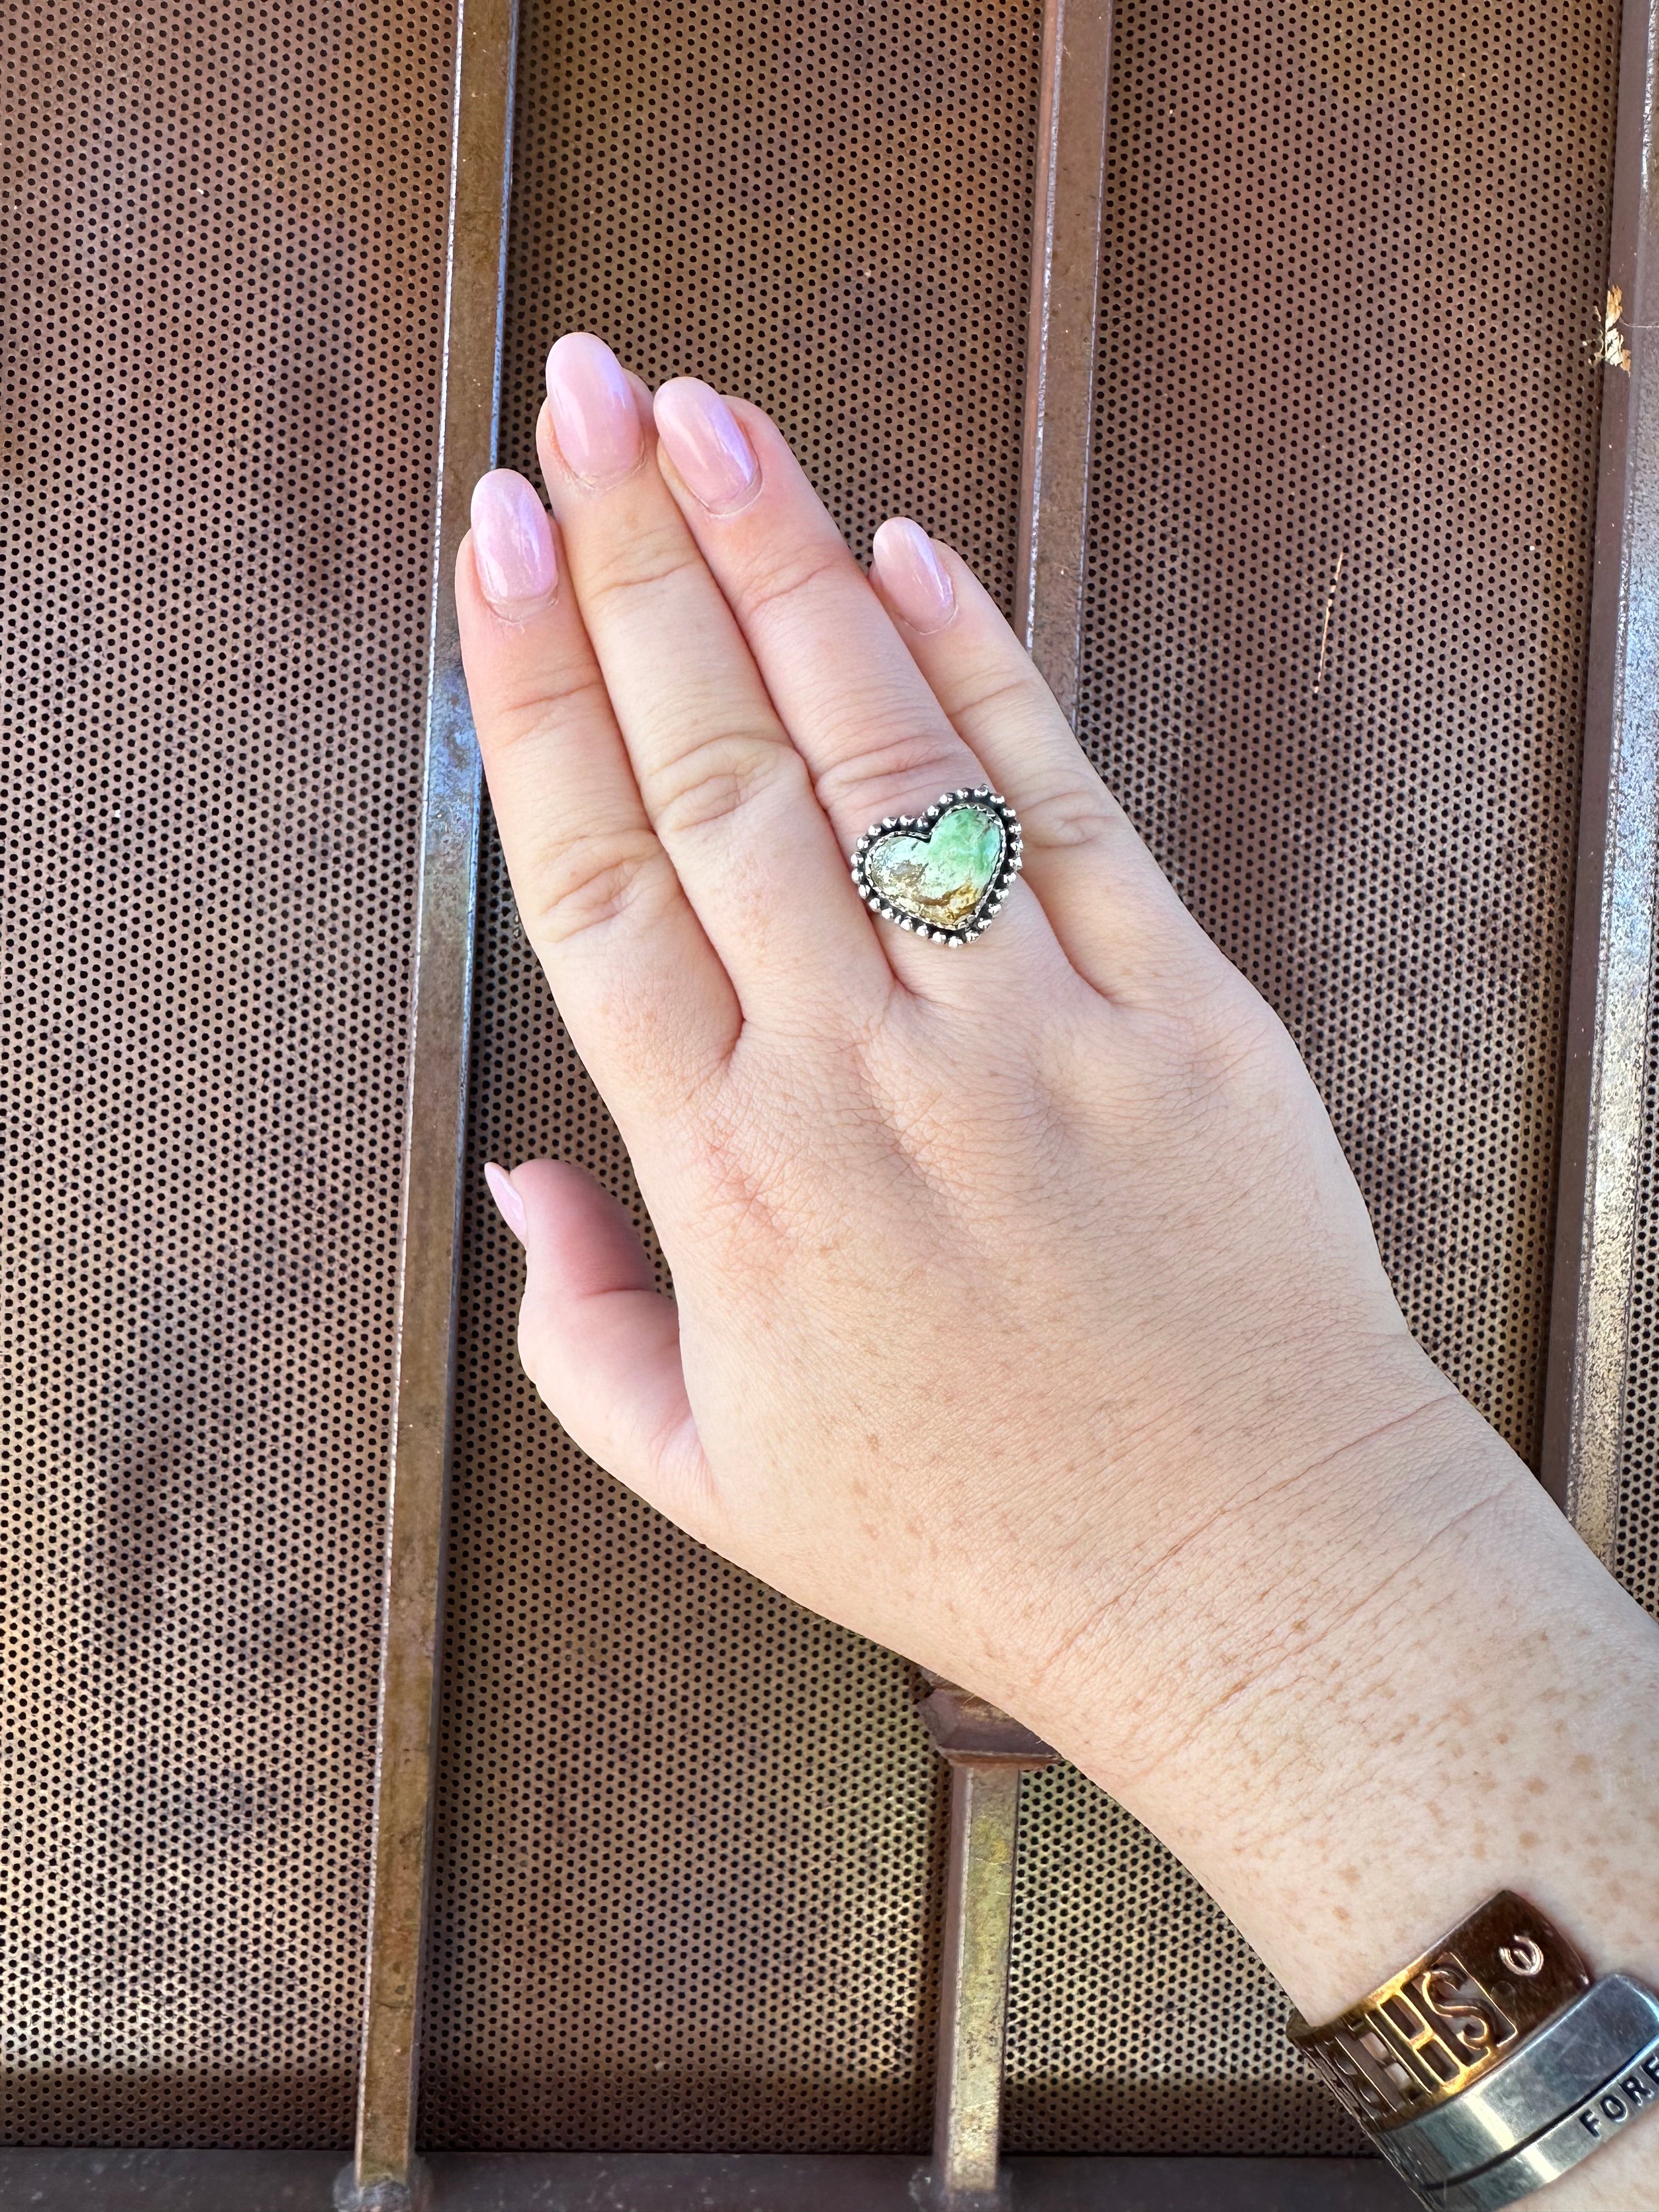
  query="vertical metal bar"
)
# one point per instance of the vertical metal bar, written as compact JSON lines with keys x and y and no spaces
{"x":1059,"y":371}
{"x":1613,"y":926}
{"x":384,"y":2173}
{"x":979,"y":1911}
{"x":987,"y":1753}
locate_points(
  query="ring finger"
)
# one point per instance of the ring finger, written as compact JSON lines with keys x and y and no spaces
{"x":872,"y":732}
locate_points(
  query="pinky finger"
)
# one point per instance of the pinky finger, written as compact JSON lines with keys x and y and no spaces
{"x":597,"y":1338}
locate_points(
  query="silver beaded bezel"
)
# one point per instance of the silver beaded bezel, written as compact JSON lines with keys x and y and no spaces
{"x":922,"y":825}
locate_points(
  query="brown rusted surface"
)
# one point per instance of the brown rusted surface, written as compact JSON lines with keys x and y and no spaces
{"x":218,"y":411}
{"x":1351,"y":336}
{"x":1352,"y":361}
{"x":1059,"y":357}
{"x":1314,"y":280}
{"x":691,"y":1841}
{"x":383,"y":2169}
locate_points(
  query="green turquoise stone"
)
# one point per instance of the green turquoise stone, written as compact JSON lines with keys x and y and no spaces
{"x":939,"y":878}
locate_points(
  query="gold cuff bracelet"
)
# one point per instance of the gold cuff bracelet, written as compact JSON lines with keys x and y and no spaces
{"x":1427,"y":2034}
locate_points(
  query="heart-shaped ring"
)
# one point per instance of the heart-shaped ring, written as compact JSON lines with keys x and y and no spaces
{"x":943,"y":874}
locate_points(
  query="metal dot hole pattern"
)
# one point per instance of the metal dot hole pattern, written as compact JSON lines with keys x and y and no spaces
{"x":1344,"y":448}
{"x":221,"y":292}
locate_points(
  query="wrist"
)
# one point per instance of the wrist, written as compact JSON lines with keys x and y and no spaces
{"x":1254,"y":1555}
{"x":1468,"y":1711}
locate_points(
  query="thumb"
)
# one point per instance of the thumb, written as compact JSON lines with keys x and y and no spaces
{"x":597,"y":1338}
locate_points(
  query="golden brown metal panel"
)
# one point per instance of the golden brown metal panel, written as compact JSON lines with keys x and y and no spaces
{"x":218,"y":388}
{"x":1335,"y":640}
{"x":690,"y":1841}
{"x":1339,"y":578}
{"x":1343,"y":702}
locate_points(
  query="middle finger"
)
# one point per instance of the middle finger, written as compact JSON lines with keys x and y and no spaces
{"x":722,"y":785}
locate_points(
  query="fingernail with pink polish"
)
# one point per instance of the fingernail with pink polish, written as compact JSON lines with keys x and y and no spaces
{"x":512,"y":545}
{"x":507,"y":1199}
{"x":594,"y":418}
{"x":705,"y":441}
{"x":912,"y":576}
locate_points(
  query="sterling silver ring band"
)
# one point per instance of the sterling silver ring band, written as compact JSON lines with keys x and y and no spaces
{"x":1624,"y":2097}
{"x":1569,"y":2088}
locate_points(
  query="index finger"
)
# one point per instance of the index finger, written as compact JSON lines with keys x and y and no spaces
{"x":647,"y":1004}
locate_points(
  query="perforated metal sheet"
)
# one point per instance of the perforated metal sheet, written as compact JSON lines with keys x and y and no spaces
{"x":1339,"y":569}
{"x":1356,"y":258}
{"x":688,"y":1836}
{"x":218,"y":390}
{"x":685,"y":1833}
{"x":1138,"y":2018}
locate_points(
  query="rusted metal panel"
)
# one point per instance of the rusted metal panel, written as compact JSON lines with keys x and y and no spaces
{"x":221,"y":376}
{"x":691,"y":1841}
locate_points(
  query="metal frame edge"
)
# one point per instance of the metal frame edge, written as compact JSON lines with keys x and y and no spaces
{"x":299,"y":2181}
{"x":480,"y":182}
{"x":1061,"y":339}
{"x":1606,"y":1068}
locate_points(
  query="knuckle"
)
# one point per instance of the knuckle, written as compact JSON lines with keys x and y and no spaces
{"x":715,"y":778}
{"x":518,"y":720}
{"x":636,"y":565}
{"x":1074,"y":809}
{"x":788,"y":576}
{"x":998,"y":690}
{"x":588,"y":882}
{"x":902,"y":772}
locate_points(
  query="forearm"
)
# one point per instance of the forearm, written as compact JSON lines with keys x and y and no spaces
{"x":1443,"y":1695}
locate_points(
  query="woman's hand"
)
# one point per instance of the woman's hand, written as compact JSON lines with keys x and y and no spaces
{"x":1003,"y":1272}
{"x":1027,"y":1317}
